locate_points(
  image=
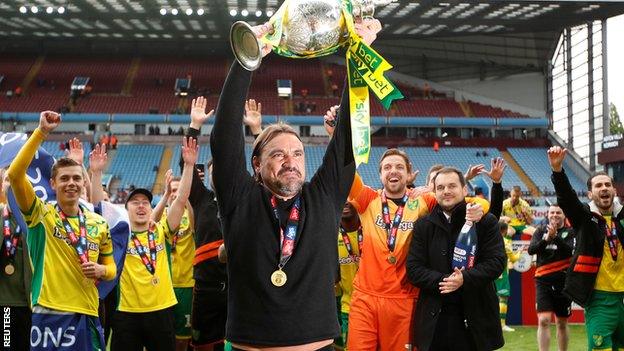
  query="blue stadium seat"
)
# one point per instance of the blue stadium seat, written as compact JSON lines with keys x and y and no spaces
{"x":534,"y":162}
{"x":137,"y":164}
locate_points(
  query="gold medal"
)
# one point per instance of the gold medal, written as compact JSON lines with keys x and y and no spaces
{"x":278,"y":278}
{"x":392,"y":259}
{"x":9,"y":269}
{"x":155,"y":280}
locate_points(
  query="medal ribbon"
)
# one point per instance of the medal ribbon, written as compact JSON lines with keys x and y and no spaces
{"x":174,"y":241}
{"x":79,"y":243}
{"x":394,"y":228}
{"x":287,"y":239}
{"x":347,"y":241}
{"x":148,"y":262}
{"x":10,"y":239}
{"x":365,"y":69}
{"x":612,"y":239}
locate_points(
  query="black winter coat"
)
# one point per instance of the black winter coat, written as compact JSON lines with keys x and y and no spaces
{"x":429,"y":261}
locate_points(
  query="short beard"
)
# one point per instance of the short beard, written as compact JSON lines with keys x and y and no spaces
{"x":290,"y":189}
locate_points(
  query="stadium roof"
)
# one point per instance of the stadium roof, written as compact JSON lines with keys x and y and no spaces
{"x":516,"y":35}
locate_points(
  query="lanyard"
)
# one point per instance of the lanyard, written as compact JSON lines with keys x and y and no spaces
{"x":10,"y":239}
{"x":394,"y":228}
{"x":612,"y":239}
{"x":79,"y":243}
{"x":347,"y":241}
{"x":174,"y":241}
{"x":287,"y":240}
{"x":149,"y":262}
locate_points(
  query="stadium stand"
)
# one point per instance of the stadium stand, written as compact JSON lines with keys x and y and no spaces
{"x":136,"y":164}
{"x":534,"y":162}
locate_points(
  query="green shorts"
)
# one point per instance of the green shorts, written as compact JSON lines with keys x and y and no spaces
{"x":502,"y":284}
{"x":519,"y":228}
{"x":604,"y":319}
{"x":182,"y":312}
{"x":344,"y":324}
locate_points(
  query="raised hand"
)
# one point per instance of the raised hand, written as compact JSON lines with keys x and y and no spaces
{"x":75,"y":152}
{"x":411,"y":178}
{"x":48,"y":121}
{"x":168,"y":180}
{"x":190,"y":149}
{"x":498,"y":169}
{"x":368,"y":29}
{"x":556,"y":155}
{"x":330,"y":120}
{"x":473,"y":171}
{"x":260,"y":31}
{"x":198,"y":112}
{"x":253,"y":116}
{"x":98,"y":158}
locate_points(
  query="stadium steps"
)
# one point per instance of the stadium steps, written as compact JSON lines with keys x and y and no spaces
{"x":520,"y":172}
{"x":165,"y":162}
{"x":288,"y":107}
{"x":183,"y":104}
{"x":32,"y":73}
{"x":132,"y":73}
{"x":466,"y":108}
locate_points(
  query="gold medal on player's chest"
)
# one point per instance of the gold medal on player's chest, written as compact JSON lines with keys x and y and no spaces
{"x":392,"y":259}
{"x":278,"y":278}
{"x":9,"y":269}
{"x":155,"y":280}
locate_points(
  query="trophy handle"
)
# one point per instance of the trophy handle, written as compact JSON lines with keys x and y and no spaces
{"x":245,"y":46}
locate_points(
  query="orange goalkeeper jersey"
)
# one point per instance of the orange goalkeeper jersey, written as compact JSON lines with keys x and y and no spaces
{"x":376,"y":275}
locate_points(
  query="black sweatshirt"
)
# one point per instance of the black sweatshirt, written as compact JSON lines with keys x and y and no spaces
{"x":553,"y":257}
{"x":304,"y":309}
{"x":209,"y":274}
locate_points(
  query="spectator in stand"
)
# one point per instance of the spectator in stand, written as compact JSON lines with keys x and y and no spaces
{"x":9,"y":93}
{"x":105,"y":140}
{"x":329,"y":73}
{"x":18,"y":91}
{"x":113,"y":142}
{"x":304,"y":92}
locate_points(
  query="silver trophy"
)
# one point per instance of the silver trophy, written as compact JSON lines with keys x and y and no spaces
{"x":307,"y":28}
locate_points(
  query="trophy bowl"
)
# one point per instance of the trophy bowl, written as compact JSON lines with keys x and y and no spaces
{"x":245,"y":45}
{"x":308,"y":28}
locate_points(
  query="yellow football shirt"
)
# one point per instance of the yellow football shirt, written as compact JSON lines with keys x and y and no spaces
{"x":348,"y":268}
{"x":515,"y":212}
{"x":610,"y":277}
{"x":58,"y":282}
{"x":137,"y":292}
{"x":183,"y":253}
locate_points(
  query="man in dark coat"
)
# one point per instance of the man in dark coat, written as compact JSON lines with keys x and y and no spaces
{"x":456,"y":309}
